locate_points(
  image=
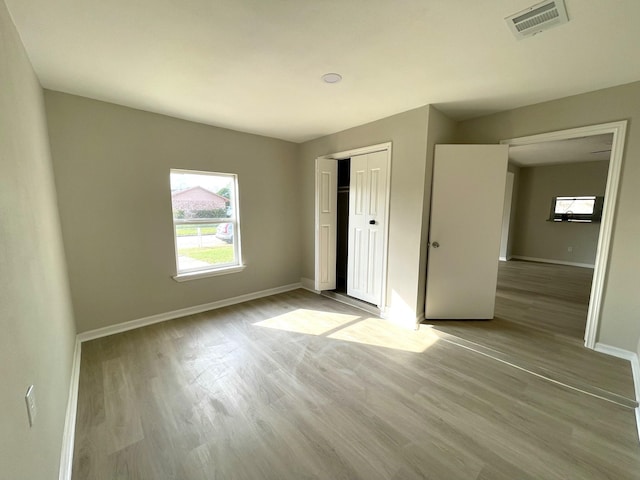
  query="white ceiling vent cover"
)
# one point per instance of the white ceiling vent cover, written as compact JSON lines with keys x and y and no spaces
{"x":537,"y":18}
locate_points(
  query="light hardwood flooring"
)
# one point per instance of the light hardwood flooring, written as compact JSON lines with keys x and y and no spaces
{"x":553,"y":298}
{"x":297,"y":386}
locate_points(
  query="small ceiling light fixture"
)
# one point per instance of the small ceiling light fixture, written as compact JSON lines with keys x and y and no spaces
{"x":331,"y":77}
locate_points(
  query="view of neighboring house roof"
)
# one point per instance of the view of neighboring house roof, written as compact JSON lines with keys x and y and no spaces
{"x":197,"y":193}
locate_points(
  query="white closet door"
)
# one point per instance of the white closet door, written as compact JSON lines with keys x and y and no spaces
{"x":326,"y":223}
{"x":367,"y":216}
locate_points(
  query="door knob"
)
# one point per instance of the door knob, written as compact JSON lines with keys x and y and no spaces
{"x":372,"y":222}
{"x":435,"y":244}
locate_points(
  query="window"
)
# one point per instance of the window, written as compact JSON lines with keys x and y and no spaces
{"x":205,"y":223}
{"x":576,"y":209}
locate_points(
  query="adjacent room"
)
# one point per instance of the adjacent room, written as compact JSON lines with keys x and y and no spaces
{"x":284,"y":239}
{"x":557,"y":216}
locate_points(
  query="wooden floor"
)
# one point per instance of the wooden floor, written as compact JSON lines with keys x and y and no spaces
{"x":541,"y":312}
{"x":554,"y":298}
{"x":297,"y":386}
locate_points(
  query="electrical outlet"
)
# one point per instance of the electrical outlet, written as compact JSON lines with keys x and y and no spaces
{"x":30,"y":398}
{"x":569,"y":249}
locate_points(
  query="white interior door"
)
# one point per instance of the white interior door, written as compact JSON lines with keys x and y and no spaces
{"x":326,"y":223}
{"x":464,"y":236}
{"x":367,"y":217}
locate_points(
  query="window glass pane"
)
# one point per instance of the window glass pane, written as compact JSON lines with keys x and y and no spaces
{"x":575,"y":205}
{"x":201,"y":247}
{"x":205,"y":220}
{"x":195,"y":196}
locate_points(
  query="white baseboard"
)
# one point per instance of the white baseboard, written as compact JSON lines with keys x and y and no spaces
{"x":69,"y":433}
{"x":638,"y":420}
{"x":615,"y":351}
{"x":556,"y":262}
{"x":308,"y":284}
{"x":183,"y":312}
{"x":635,"y":370}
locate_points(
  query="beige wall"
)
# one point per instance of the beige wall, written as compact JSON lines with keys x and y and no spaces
{"x":536,"y":237}
{"x":37,"y":333}
{"x":111,"y":166}
{"x":620,"y":323}
{"x":413,"y":135}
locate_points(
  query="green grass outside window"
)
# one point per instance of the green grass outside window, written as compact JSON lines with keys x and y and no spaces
{"x":211,"y":255}
{"x":191,"y":230}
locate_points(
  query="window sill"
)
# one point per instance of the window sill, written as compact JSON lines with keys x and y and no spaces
{"x":572,"y":220}
{"x":185,"y":277}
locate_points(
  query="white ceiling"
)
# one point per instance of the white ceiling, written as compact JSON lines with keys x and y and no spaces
{"x":586,"y":149}
{"x":255,"y":65}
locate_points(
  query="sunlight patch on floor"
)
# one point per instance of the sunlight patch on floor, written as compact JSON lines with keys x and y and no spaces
{"x":311,"y":322}
{"x":353,"y":328}
{"x":382,"y":333}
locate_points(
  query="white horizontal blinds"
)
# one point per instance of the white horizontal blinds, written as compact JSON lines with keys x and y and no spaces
{"x":205,"y":218}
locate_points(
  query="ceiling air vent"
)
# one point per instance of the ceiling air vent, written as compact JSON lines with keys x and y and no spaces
{"x":537,"y":18}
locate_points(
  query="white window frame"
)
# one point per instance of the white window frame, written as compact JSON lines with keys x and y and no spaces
{"x":593,"y":217}
{"x":222,"y":269}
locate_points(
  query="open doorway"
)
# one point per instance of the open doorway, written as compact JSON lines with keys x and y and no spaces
{"x":551,"y":227}
{"x":618,"y":131}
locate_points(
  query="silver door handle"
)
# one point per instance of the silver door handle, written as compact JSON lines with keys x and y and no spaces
{"x":435,"y":244}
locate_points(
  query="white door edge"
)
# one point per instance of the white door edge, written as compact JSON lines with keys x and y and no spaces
{"x":618,"y":129}
{"x":506,"y":216}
